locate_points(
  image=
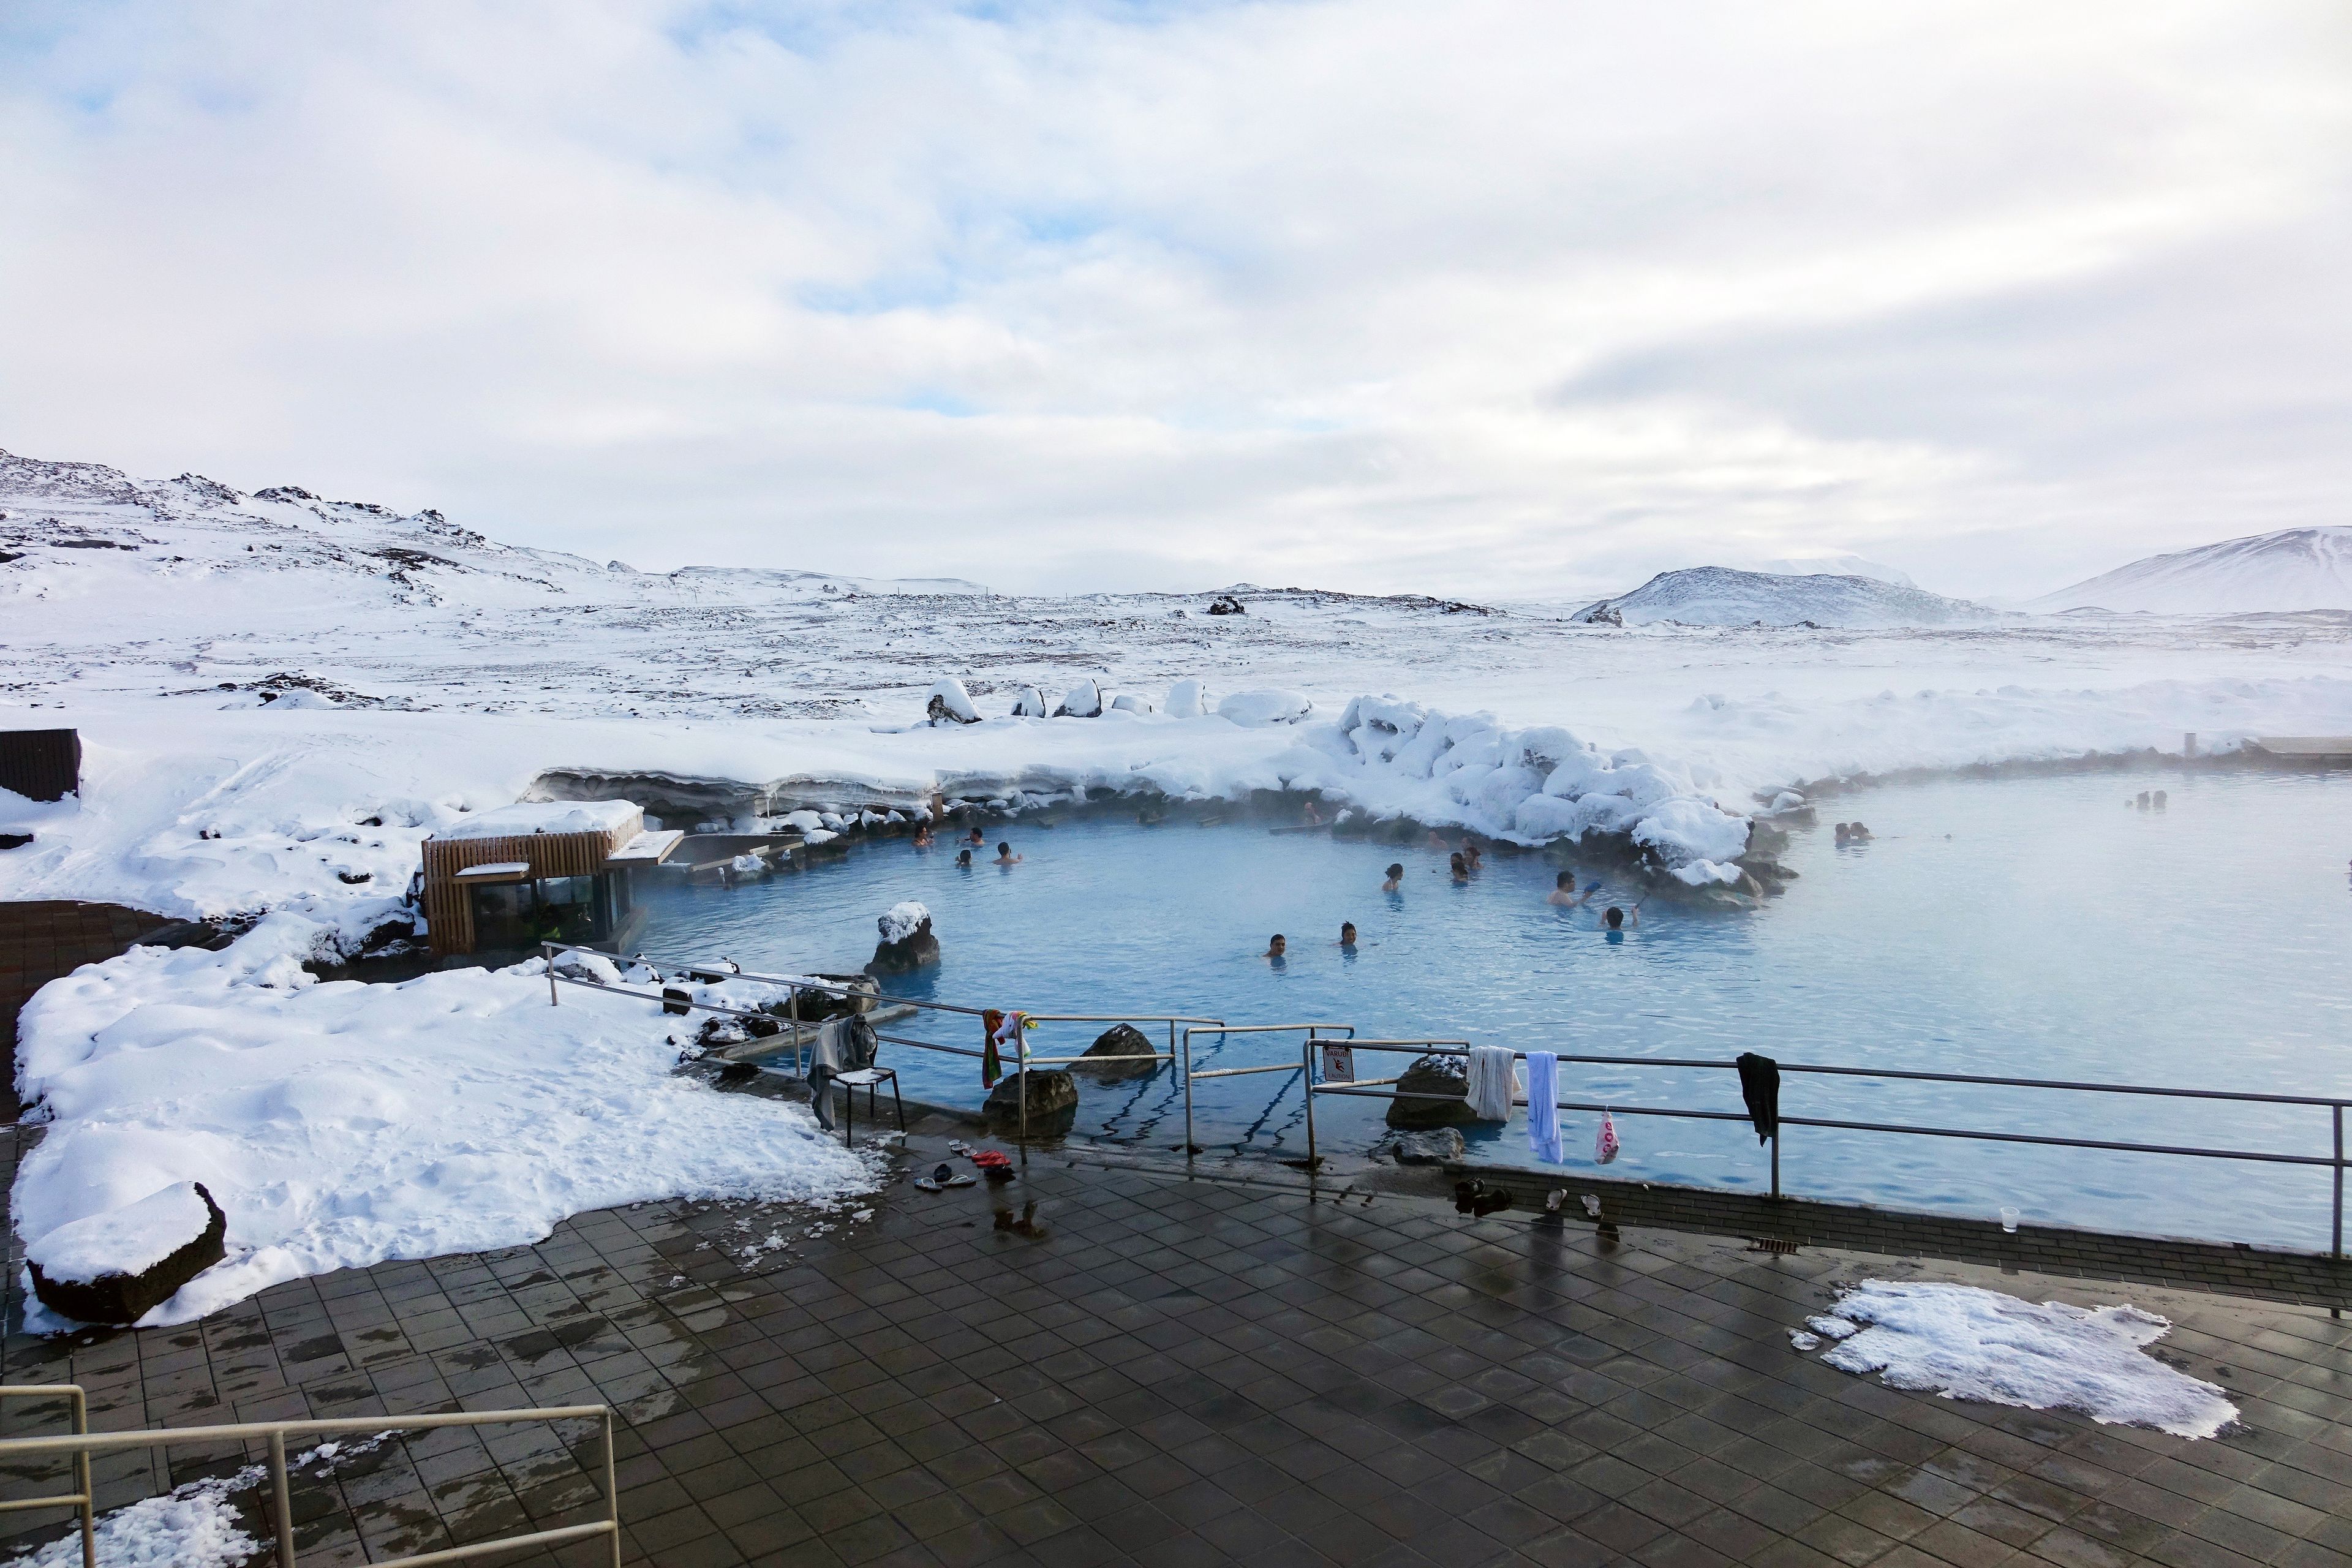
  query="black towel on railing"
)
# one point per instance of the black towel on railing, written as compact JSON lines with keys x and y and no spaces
{"x":1759,"y":1086}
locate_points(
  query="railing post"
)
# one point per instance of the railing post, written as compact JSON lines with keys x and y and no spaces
{"x":1021,"y":1049}
{"x":1306,"y":1086}
{"x":548,"y":955}
{"x":81,"y":1471}
{"x":611,"y":1487}
{"x":1188,"y":1095}
{"x":284,"y":1498}
{"x":1775,"y":1161}
{"x":2335,"y":1248}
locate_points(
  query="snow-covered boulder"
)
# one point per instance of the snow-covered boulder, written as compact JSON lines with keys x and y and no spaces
{"x":118,"y":1266}
{"x":1030,"y":704}
{"x":949,"y":703}
{"x":803,"y":821}
{"x":1127,"y":702}
{"x":1188,"y":700}
{"x":1084,"y":700}
{"x":907,"y":942}
{"x":1255,"y":707}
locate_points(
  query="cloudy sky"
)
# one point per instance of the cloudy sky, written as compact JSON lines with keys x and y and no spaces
{"x":1483,"y":298}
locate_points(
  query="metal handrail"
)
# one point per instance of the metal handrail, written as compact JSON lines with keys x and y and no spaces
{"x":80,"y":1501}
{"x":2334,"y":1162}
{"x":82,"y":1443}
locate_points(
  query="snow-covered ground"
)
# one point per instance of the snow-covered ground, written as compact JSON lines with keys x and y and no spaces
{"x":281,"y":697}
{"x":339,"y":1124}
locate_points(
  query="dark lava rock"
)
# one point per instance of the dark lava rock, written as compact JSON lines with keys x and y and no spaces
{"x":1118,"y":1040}
{"x":917,"y":950}
{"x":188,"y":934}
{"x":1436,"y":1146}
{"x":1053,"y":1101}
{"x":125,"y":1298}
{"x":15,"y":840}
{"x":1433,"y":1075}
{"x":1226,"y":605}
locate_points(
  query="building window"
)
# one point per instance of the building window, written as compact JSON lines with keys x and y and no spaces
{"x":509,"y":916}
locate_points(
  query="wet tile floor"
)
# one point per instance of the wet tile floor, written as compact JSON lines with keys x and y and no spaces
{"x":1111,"y":1363}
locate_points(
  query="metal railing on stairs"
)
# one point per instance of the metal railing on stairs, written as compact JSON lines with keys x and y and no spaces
{"x":81,"y":1443}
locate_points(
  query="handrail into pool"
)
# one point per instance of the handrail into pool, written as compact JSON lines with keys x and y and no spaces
{"x":795,"y":984}
{"x":2334,"y":1161}
{"x":1315,"y":1034}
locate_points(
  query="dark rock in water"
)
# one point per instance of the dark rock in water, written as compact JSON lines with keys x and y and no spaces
{"x":67,"y":1282}
{"x":1052,"y":1098}
{"x":1118,"y":1040}
{"x":1433,"y":1075}
{"x":1437,"y":1146}
{"x":917,"y":950}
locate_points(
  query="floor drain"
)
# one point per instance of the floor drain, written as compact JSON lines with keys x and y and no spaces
{"x":1771,"y":1244}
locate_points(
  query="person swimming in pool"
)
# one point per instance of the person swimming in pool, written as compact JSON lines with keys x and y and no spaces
{"x":963,"y":858}
{"x":1311,"y":818}
{"x":1563,"y":894}
{"x":1460,"y":867}
{"x":1396,"y":879}
{"x":976,"y":838}
{"x":1347,"y":936}
{"x":1005,"y":857}
{"x":1276,"y":950}
{"x":1616,"y":920}
{"x":1470,"y":857}
{"x":922,"y":835}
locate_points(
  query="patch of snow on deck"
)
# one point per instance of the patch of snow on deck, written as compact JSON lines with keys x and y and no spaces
{"x":1964,"y":1343}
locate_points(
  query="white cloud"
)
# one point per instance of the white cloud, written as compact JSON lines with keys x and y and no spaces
{"x":1492,"y":298}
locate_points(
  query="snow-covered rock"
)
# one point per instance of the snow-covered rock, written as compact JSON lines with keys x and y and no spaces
{"x":2294,"y":569}
{"x":902,"y":919}
{"x":1720,"y":596}
{"x":1084,"y":700}
{"x":116,"y":1267}
{"x":949,"y":702}
{"x":1255,"y":707}
{"x":1187,"y":699}
{"x":803,"y":821}
{"x":1127,"y":703}
{"x":1031,"y":704}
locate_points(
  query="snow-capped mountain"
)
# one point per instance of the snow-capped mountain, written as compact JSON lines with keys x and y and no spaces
{"x":1837,"y":566}
{"x":1720,"y":596}
{"x":2294,"y":569}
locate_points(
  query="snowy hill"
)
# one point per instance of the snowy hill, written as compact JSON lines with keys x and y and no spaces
{"x":2294,"y":569}
{"x":1838,"y":566}
{"x":1719,"y":597}
{"x":82,"y":535}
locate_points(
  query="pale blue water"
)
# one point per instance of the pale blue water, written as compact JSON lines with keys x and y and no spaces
{"x":2030,"y":927}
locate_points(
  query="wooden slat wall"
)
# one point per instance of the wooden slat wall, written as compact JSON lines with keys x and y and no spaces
{"x":449,"y":917}
{"x":41,"y":764}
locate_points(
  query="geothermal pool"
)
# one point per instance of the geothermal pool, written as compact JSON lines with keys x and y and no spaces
{"x":2034,"y":927}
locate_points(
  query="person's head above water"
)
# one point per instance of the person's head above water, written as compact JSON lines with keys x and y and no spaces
{"x":1276,"y":947}
{"x":1460,"y":865}
{"x":1004,"y":848}
{"x":1614,"y":916}
{"x":1346,"y":933}
{"x":963,"y":856}
{"x":1565,"y":882}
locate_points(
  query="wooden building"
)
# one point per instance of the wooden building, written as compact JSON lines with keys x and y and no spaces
{"x":503,"y":881}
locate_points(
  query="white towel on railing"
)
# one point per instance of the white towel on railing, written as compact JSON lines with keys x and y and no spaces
{"x":1493,"y":1077}
{"x":1543,"y":1106}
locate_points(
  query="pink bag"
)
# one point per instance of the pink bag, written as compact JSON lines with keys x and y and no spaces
{"x":1604,"y":1144}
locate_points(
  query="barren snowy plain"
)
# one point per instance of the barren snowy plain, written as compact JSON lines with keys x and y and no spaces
{"x":280,"y":697}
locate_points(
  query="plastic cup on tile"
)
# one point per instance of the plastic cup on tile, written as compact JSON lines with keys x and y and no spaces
{"x":2008,"y":1219}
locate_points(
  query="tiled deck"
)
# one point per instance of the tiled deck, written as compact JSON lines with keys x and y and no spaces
{"x":39,"y":942}
{"x":1112,"y":1365}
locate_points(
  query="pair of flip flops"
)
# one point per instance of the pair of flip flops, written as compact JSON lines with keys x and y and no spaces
{"x":1478,"y":1198}
{"x":940,"y":1180}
